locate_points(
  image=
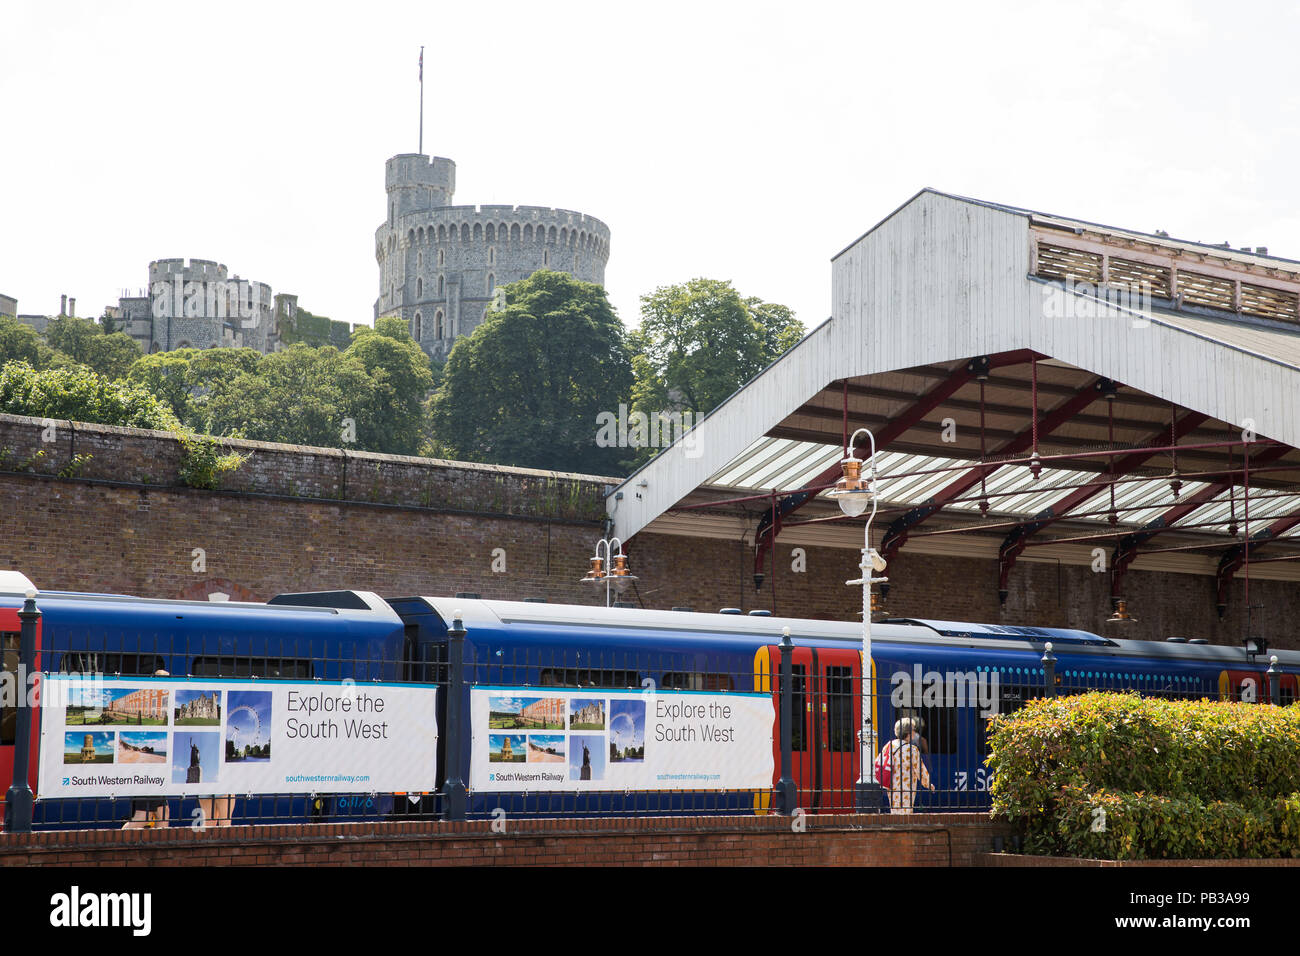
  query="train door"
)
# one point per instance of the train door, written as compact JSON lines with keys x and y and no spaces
{"x":827,"y":713}
{"x":802,"y":767}
{"x":12,"y":692}
{"x":839,"y":703}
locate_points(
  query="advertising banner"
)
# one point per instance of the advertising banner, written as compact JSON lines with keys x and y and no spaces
{"x":134,"y":736}
{"x":528,"y":738}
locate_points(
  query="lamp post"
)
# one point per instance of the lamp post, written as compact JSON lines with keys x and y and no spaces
{"x":610,"y":568}
{"x":853,"y":493}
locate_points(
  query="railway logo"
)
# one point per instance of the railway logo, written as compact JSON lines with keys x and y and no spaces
{"x":945,"y":689}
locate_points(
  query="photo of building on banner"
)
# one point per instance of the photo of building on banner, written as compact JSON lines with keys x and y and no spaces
{"x":530,"y":739}
{"x":162,"y":736}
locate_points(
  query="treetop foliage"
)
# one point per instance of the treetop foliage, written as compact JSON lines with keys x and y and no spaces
{"x":526,"y":386}
{"x":700,"y":341}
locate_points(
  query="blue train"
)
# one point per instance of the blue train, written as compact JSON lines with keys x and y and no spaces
{"x":948,"y":675}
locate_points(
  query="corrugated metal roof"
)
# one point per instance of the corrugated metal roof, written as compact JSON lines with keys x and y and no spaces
{"x":784,"y":465}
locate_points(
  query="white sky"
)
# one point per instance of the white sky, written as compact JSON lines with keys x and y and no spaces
{"x":745,"y":141}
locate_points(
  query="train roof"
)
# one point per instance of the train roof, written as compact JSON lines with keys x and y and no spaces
{"x":493,"y":615}
{"x":365,"y":608}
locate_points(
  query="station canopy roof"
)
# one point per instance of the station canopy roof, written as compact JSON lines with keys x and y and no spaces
{"x":966,"y":337}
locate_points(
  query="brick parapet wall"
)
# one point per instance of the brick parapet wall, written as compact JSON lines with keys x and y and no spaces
{"x":133,"y":456}
{"x":852,"y":840}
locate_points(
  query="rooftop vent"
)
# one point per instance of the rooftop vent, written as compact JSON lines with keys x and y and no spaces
{"x":760,"y":612}
{"x":730,"y":610}
{"x":468,"y":595}
{"x":683,"y":608}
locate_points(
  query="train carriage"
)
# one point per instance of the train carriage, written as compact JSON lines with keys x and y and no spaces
{"x":948,"y":676}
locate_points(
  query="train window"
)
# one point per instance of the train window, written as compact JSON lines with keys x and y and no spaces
{"x":1010,"y":699}
{"x":285,"y":668}
{"x":840,"y":729}
{"x":589,"y":677}
{"x":111,"y":665}
{"x":938,"y":725}
{"x":8,"y":708}
{"x":694,"y":680}
{"x":799,"y":708}
{"x":1285,"y":696}
{"x":425,"y":663}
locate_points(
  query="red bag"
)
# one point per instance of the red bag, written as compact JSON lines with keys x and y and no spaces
{"x":884,"y":767}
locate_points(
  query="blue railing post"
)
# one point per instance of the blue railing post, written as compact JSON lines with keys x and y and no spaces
{"x":19,"y":800}
{"x":785,"y":790}
{"x":1049,"y":671}
{"x":454,"y":797}
{"x":1273,"y":680}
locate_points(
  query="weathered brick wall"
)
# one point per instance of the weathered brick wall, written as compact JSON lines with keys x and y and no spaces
{"x":920,"y":840}
{"x":294,"y":519}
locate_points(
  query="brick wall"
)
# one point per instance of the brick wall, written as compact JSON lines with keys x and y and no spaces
{"x":299,"y":519}
{"x":920,"y":840}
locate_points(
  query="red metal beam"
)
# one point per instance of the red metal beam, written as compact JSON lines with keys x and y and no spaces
{"x":896,"y":534}
{"x":1014,"y":544}
{"x":1127,"y":549}
{"x":1234,"y":557}
{"x":770,"y":525}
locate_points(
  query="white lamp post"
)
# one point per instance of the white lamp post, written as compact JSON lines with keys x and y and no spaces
{"x":617,"y":574}
{"x":854,"y":494}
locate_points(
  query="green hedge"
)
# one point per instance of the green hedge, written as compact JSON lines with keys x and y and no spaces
{"x":1149,"y":826}
{"x":1177,"y":779}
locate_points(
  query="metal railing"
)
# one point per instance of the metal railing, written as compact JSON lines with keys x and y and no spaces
{"x":586,"y":725}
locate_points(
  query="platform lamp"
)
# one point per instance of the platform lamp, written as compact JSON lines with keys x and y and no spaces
{"x":1120,"y":614}
{"x":854,"y":494}
{"x":617,"y":576}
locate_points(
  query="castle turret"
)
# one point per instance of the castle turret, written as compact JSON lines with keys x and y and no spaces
{"x":417,"y":183}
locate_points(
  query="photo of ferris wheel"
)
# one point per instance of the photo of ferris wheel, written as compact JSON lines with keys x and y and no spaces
{"x":248,"y":726}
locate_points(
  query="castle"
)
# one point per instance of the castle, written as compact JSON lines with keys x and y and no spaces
{"x":200,"y":305}
{"x":439,"y":264}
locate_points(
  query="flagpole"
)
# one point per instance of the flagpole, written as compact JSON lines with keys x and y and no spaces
{"x":421,"y":101}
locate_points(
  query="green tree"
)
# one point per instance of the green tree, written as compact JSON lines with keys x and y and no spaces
{"x":402,"y":379}
{"x":526,"y":387}
{"x":211,"y":374}
{"x":84,"y":342}
{"x":301,"y":396}
{"x":20,"y":342}
{"x":166,"y":375}
{"x":700,"y":341}
{"x":80,"y":395}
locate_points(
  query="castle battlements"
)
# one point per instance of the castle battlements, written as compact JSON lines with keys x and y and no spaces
{"x":196,"y":270}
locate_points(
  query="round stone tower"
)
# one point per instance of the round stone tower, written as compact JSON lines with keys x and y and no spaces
{"x":439,"y":264}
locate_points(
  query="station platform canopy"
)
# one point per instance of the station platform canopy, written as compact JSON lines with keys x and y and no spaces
{"x":1038,"y":387}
